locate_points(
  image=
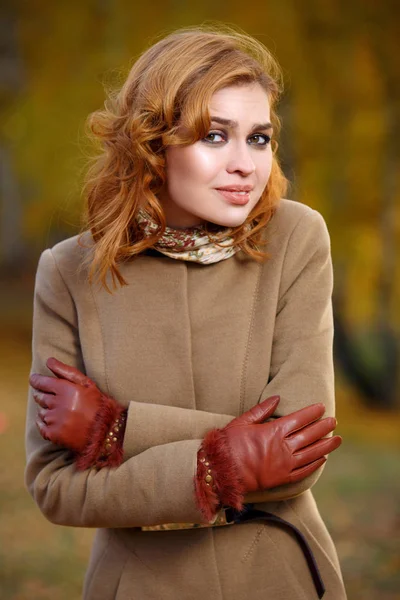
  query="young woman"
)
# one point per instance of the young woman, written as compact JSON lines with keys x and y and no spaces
{"x":182,"y":393}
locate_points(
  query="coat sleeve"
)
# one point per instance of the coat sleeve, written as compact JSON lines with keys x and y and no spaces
{"x":155,"y":486}
{"x":301,"y":369}
{"x":301,"y":362}
{"x":168,"y":424}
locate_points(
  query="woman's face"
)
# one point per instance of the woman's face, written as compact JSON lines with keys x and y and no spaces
{"x":221,"y":177}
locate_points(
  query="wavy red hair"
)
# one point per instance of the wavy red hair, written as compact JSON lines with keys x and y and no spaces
{"x":168,"y":87}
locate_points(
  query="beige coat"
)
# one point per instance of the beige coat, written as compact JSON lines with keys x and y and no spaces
{"x":186,"y":347}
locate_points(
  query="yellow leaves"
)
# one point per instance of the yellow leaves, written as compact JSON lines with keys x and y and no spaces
{"x":337,"y":134}
{"x":363,"y":274}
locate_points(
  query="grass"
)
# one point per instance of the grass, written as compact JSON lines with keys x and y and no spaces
{"x":358,"y":496}
{"x":37,"y":559}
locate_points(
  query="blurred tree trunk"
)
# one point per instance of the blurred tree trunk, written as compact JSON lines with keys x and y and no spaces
{"x":390,"y":344}
{"x":11,"y":83}
{"x":389,"y":254}
{"x":384,"y":44}
{"x":11,"y":239}
{"x":368,"y":355}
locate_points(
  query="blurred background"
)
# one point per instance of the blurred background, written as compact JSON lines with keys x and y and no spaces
{"x":340,"y":149}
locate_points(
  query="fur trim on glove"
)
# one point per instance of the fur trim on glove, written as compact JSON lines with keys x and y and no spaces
{"x":207,"y":498}
{"x":96,"y":453}
{"x":226,"y":488}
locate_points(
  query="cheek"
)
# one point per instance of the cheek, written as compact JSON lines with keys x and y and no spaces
{"x":191,"y":165}
{"x":264,"y":168}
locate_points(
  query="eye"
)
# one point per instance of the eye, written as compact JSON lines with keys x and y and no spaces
{"x":214,"y":137}
{"x":260,"y":139}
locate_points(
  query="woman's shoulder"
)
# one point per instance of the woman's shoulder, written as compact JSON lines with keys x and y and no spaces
{"x":68,"y":257}
{"x":73,"y":248}
{"x":289,"y":213}
{"x":293,"y":218}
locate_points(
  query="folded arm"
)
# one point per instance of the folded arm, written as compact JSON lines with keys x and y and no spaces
{"x":156,"y":486}
{"x":161,"y":442}
{"x":301,"y":371}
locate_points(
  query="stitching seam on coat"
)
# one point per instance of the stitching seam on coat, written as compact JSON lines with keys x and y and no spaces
{"x":315,"y":539}
{"x":290,"y":572}
{"x":67,"y":288}
{"x":90,"y":583}
{"x":190,"y":336}
{"x":119,"y":540}
{"x":254,"y":543}
{"x":103,"y":351}
{"x":249,"y":338}
{"x":303,"y":216}
{"x":216,"y":563}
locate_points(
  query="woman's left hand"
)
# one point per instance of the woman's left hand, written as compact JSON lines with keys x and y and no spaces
{"x":68,"y":404}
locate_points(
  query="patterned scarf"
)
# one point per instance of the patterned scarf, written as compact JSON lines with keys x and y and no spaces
{"x":191,"y":244}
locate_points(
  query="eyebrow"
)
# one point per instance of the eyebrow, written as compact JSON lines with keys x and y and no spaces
{"x":234,"y":124}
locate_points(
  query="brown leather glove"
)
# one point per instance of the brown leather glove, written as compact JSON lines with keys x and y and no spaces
{"x":248,"y":455}
{"x":75,"y":414}
{"x":280,"y":451}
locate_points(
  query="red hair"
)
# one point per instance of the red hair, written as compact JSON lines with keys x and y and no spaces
{"x":170,"y":85}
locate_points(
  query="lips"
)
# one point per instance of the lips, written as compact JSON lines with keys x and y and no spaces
{"x":236,"y":195}
{"x":236,"y":188}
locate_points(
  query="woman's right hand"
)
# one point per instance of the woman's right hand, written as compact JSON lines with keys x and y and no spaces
{"x":284,"y":450}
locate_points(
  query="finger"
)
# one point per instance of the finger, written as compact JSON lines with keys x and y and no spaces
{"x":44,"y":383}
{"x":316,"y":451}
{"x":44,"y":400}
{"x":42,"y":429}
{"x":300,"y":418}
{"x":311,"y":433}
{"x":66,"y":371}
{"x":43,"y":415}
{"x":259,"y":412}
{"x":300,"y":474}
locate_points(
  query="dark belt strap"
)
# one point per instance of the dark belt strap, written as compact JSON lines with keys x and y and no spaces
{"x":252,"y":514}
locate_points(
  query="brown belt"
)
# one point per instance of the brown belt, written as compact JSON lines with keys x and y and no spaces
{"x":229,"y":516}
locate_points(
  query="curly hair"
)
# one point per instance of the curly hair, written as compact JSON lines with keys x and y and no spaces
{"x":170,"y":85}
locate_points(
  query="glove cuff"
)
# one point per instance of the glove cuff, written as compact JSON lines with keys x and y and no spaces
{"x":225,"y":488}
{"x":106,"y":436}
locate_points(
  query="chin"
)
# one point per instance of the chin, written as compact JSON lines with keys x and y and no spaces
{"x":229,"y":221}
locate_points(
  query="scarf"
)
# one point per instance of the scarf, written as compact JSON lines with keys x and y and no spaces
{"x":193,"y":244}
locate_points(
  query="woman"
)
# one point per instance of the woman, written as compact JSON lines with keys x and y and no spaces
{"x":188,"y":335}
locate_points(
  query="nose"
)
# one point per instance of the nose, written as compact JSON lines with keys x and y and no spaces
{"x":240,"y":160}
